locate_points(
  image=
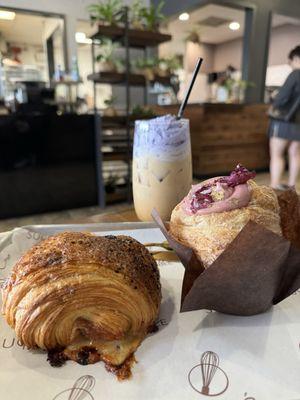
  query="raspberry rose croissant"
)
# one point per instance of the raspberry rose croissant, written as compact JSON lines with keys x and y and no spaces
{"x":216,"y":210}
{"x":84,"y":297}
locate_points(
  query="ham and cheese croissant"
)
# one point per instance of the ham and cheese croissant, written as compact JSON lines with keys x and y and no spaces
{"x":85,"y":298}
{"x":216,"y":210}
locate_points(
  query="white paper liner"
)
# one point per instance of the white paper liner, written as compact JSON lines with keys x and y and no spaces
{"x":259,"y":355}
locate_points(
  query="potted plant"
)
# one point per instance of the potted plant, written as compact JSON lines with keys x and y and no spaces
{"x":224,"y":89}
{"x":110,"y":110}
{"x":108,"y":12}
{"x":168,"y":66}
{"x":152,"y":16}
{"x":240,"y":89}
{"x":162,"y":68}
{"x":146,"y":66}
{"x":193,"y":36}
{"x":174,"y":63}
{"x":136,"y":15}
{"x":142,"y":112}
{"x":107,"y":61}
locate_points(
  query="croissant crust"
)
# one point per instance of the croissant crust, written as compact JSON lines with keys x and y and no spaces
{"x":78,"y":292}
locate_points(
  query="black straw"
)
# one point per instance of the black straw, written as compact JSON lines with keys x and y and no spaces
{"x":188,"y":92}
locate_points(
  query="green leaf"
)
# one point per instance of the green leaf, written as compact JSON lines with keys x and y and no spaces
{"x":109,"y":11}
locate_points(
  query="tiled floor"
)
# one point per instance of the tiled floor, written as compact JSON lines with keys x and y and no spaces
{"x":86,"y":215}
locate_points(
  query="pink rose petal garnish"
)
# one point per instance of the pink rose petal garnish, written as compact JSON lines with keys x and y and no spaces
{"x":234,"y":193}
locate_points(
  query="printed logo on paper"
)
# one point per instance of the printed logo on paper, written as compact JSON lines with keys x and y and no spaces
{"x":81,"y":390}
{"x":207,"y":378}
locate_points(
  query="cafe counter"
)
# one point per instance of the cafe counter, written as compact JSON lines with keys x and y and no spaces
{"x":224,"y":135}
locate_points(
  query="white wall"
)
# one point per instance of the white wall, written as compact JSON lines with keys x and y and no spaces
{"x":193,"y":51}
{"x":282,"y":40}
{"x":218,"y":57}
{"x":228,"y":53}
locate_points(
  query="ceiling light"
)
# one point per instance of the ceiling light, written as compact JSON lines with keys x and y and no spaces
{"x":8,"y":15}
{"x":81,"y":38}
{"x":184,"y":16}
{"x":234,"y":26}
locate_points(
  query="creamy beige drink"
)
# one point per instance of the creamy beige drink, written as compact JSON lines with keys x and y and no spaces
{"x":162,"y":165}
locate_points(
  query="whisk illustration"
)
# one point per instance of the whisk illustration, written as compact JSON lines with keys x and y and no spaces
{"x":209,"y":366}
{"x":81,"y":390}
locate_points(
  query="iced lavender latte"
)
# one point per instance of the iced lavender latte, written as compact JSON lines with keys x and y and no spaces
{"x":162,"y":165}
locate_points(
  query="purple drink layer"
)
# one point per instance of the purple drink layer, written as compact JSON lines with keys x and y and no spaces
{"x":165,"y":138}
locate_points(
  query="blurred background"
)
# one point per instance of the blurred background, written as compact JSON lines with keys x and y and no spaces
{"x":75,"y":75}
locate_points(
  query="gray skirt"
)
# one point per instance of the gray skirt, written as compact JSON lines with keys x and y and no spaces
{"x":284,"y":130}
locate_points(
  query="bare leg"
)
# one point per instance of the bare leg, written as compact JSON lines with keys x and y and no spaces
{"x":277,"y":162}
{"x":294,"y":162}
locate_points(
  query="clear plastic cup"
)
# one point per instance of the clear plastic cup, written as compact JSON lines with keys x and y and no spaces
{"x":162,"y":165}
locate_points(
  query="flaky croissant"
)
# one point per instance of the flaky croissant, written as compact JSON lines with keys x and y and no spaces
{"x":216,"y":210}
{"x":84,"y":297}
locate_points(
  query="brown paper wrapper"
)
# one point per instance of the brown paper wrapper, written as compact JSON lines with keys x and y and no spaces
{"x":257,"y":270}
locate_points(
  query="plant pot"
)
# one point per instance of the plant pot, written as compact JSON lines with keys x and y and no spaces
{"x":151,"y":27}
{"x":110,"y":111}
{"x":137,"y":25}
{"x":163,"y":73}
{"x":149,"y":74}
{"x":107,"y":66}
{"x":113,"y":24}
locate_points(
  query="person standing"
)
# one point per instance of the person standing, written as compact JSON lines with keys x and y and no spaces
{"x":284,"y":130}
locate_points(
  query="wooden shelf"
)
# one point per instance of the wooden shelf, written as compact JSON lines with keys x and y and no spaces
{"x":127,"y":38}
{"x":112,"y":122}
{"x":66,"y":83}
{"x":116,"y":78}
{"x":120,"y":155}
{"x":137,"y":37}
{"x":113,"y":139}
{"x":164,"y":80}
